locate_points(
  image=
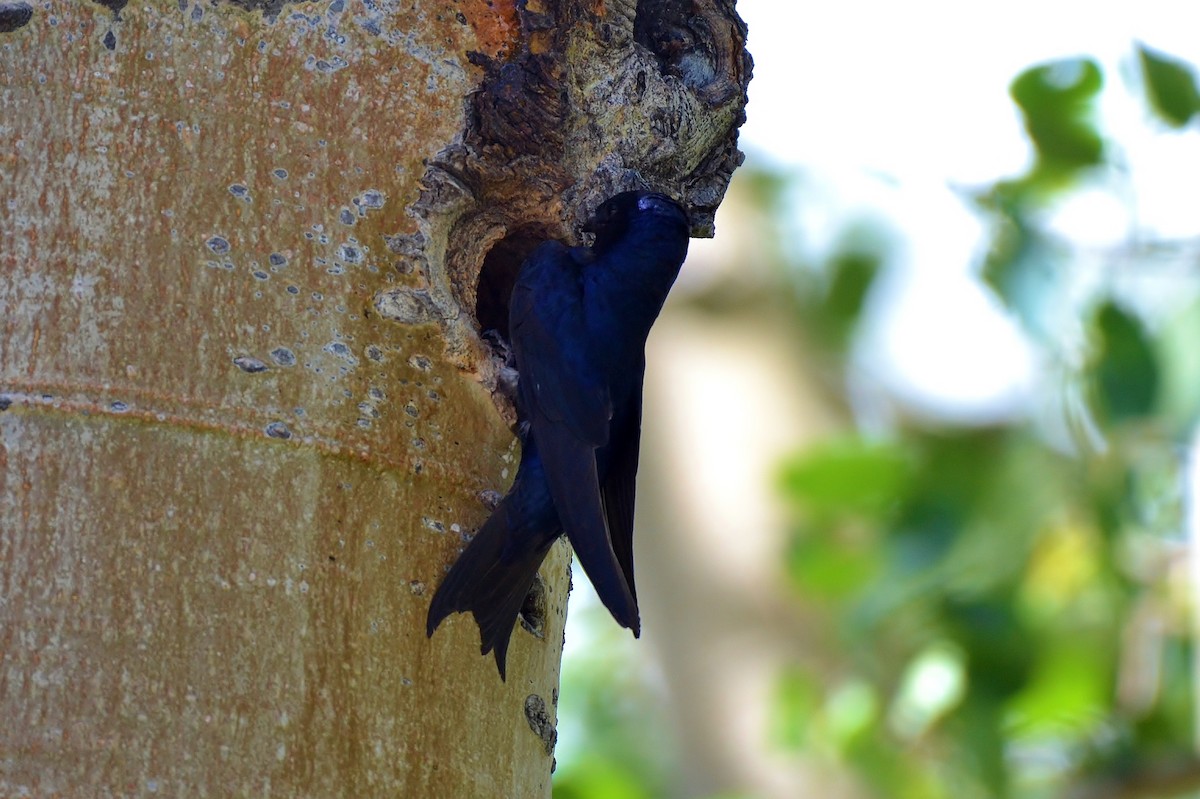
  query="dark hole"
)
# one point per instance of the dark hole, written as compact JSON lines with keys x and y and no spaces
{"x":533,"y":611}
{"x":499,"y":273}
{"x":660,"y":25}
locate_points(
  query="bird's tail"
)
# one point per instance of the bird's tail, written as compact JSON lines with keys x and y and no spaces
{"x":491,"y":580}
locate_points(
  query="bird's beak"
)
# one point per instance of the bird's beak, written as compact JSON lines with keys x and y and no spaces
{"x":654,"y":201}
{"x":663,"y":205}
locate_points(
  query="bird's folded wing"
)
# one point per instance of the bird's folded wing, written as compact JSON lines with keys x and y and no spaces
{"x":565,"y":399}
{"x":620,"y":485}
{"x":555,"y":360}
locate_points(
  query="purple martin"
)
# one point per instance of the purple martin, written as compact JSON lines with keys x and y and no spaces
{"x":578,"y":322}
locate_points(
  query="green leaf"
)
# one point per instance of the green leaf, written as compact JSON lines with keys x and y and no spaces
{"x":851,"y":712}
{"x":822,"y":565}
{"x":1170,"y":86}
{"x":849,"y":476}
{"x":1056,"y":100}
{"x":998,"y":647}
{"x":796,"y":702}
{"x":1125,"y":372}
{"x":595,"y":777}
{"x":979,"y":745}
{"x":1069,"y":691}
{"x":851,"y":274}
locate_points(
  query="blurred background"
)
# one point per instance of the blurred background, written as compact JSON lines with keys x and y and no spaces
{"x":919,"y":507}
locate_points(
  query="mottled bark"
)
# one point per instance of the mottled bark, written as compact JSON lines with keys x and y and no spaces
{"x":246,"y":416}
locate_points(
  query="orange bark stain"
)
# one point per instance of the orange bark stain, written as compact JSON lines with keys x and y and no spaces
{"x":495,"y":23}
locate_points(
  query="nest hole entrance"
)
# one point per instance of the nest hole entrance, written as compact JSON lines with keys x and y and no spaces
{"x":661,"y":27}
{"x":498,"y":275}
{"x":681,"y":38}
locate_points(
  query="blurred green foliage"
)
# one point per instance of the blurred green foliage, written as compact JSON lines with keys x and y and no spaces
{"x":1170,"y":86}
{"x":1010,"y":615}
{"x":1006,"y":612}
{"x":626,"y":752}
{"x":1125,"y":366}
{"x":1056,"y":100}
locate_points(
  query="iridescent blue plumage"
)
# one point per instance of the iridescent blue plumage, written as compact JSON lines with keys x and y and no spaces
{"x":578,"y":322}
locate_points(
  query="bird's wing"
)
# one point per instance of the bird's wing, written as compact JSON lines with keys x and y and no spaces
{"x":620,"y":482}
{"x":566,"y":400}
{"x":558,"y":375}
{"x":571,"y":472}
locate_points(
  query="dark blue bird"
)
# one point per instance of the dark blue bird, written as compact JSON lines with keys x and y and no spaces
{"x":578,"y":322}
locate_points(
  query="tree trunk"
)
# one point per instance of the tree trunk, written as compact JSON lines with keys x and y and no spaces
{"x":246,"y":416}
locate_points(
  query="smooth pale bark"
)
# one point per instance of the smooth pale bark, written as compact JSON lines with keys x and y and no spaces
{"x":245,"y":416}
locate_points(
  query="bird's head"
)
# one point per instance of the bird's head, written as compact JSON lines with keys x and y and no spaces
{"x":613,"y":217}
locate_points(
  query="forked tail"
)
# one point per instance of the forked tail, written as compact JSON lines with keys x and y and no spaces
{"x":491,"y":579}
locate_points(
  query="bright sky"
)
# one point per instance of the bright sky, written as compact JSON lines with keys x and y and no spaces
{"x":891,"y":105}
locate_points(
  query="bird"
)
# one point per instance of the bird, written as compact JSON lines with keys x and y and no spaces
{"x":579,"y":318}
